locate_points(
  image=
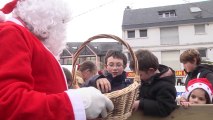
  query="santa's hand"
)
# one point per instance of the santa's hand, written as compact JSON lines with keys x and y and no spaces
{"x":95,"y":103}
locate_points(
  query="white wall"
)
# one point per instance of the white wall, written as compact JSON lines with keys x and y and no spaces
{"x":158,"y":55}
{"x":187,"y":34}
{"x":187,"y":39}
{"x":152,"y":39}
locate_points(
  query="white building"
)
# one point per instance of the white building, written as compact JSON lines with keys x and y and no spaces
{"x":169,"y":30}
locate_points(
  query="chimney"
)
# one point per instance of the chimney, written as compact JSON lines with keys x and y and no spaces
{"x":127,"y":8}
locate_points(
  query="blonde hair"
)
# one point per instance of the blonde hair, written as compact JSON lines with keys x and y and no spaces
{"x":79,"y":78}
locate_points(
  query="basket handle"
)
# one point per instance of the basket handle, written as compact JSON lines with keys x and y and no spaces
{"x":77,"y":53}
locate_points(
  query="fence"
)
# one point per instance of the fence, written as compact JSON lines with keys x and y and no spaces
{"x":195,"y":112}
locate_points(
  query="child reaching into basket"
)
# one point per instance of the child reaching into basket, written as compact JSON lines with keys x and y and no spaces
{"x":198,"y":91}
{"x":157,"y":91}
{"x":114,"y":76}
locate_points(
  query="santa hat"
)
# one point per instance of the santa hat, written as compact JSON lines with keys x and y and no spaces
{"x":8,"y":8}
{"x":200,"y":83}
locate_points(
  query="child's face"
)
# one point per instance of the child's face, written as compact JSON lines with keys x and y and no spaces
{"x":145,"y":75}
{"x":197,"y":96}
{"x":115,"y":66}
{"x":189,"y":67}
{"x":86,"y":74}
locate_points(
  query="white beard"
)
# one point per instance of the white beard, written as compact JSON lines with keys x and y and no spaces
{"x":47,"y":21}
{"x":56,"y":41}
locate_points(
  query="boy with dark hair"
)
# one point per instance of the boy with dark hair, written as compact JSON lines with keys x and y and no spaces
{"x":114,"y":76}
{"x":116,"y":54}
{"x":157,"y":91}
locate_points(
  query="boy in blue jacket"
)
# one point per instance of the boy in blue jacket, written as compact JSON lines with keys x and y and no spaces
{"x":114,"y":76}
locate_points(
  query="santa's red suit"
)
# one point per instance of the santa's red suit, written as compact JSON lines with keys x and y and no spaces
{"x":32,"y":84}
{"x":32,"y":87}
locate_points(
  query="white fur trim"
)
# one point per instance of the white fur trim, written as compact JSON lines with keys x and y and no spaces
{"x":2,"y":16}
{"x":15,"y":21}
{"x":198,"y":85}
{"x":77,"y":104}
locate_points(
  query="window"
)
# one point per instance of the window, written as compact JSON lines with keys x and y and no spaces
{"x":195,"y":9}
{"x":167,"y":14}
{"x":202,"y":52}
{"x":196,"y":12}
{"x":131,"y":34}
{"x":143,"y":33}
{"x":169,"y":36}
{"x":199,"y":28}
{"x":171,"y":59}
{"x":67,"y":61}
{"x":75,"y":48}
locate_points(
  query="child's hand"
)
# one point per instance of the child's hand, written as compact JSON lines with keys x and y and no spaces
{"x":104,"y":85}
{"x":185,"y":104}
{"x":181,"y":99}
{"x":135,"y":105}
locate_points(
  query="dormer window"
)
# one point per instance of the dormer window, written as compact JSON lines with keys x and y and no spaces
{"x":196,"y":12}
{"x":195,"y":9}
{"x":167,"y":14}
{"x":75,"y":48}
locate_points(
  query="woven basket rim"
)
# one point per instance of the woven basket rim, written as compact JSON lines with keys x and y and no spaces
{"x":99,"y":36}
{"x":123,"y":91}
{"x":131,"y":91}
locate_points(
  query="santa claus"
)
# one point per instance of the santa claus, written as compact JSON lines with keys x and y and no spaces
{"x":32,"y":84}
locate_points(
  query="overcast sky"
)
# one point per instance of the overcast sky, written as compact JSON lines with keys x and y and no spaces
{"x":91,"y":17}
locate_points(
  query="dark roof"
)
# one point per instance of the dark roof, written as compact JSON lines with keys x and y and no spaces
{"x":148,"y":17}
{"x":100,"y":48}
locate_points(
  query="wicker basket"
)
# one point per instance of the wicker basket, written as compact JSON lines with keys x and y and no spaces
{"x":122,"y":99}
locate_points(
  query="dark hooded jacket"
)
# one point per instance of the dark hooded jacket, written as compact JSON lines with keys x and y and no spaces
{"x":201,"y":71}
{"x":157,"y":94}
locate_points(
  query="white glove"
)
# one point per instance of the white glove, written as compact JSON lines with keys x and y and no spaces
{"x":95,"y":103}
